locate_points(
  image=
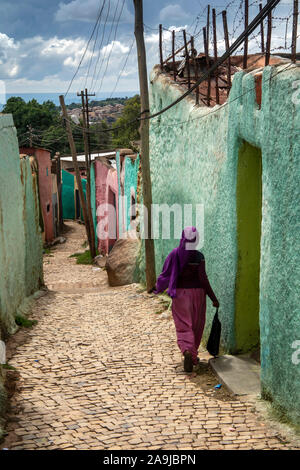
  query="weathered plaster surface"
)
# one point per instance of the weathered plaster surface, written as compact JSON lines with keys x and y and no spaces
{"x":106,"y":181}
{"x":43,"y":158}
{"x":33,"y":237}
{"x":128,"y":178}
{"x":194,"y":157}
{"x":68,"y":201}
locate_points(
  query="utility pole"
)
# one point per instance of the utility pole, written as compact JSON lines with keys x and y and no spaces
{"x":87,"y":151}
{"x":30,"y":134}
{"x":144,"y":132}
{"x":77,"y":172}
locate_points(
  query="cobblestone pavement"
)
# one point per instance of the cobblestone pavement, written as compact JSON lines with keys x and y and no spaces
{"x":101,"y":370}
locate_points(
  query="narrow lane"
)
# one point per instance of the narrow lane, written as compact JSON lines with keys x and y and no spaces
{"x":101,"y":370}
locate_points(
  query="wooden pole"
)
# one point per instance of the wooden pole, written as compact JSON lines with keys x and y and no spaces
{"x":88,"y":171}
{"x":144,"y":132}
{"x":173,"y":54}
{"x":269,"y":33}
{"x":245,"y":59}
{"x":226,"y":37}
{"x":195,"y":68}
{"x":207,"y":64}
{"x":76,"y":168}
{"x":176,"y":52}
{"x":160,"y":48}
{"x":214,"y":21}
{"x":208,"y":28}
{"x":294,"y":33}
{"x":187,"y":59}
{"x":262,"y":32}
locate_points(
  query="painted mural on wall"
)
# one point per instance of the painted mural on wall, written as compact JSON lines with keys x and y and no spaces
{"x":241,"y":164}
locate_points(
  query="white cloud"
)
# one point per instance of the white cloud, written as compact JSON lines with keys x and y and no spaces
{"x":88,"y":10}
{"x":114,"y":47}
{"x":173,"y":13}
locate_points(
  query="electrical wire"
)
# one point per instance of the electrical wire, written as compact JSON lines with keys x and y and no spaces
{"x":112,"y":45}
{"x":107,"y":43}
{"x":84,"y":53}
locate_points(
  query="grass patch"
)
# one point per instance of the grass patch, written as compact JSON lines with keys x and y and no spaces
{"x":83,"y":258}
{"x":22,"y":321}
{"x":8,"y":367}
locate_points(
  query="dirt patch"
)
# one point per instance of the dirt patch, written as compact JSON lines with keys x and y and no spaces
{"x":204,"y":378}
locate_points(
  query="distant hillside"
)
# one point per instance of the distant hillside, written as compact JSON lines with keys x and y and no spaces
{"x":101,"y":103}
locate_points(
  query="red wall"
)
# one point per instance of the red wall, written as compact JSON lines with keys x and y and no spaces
{"x":106,"y":181}
{"x":45,"y":187}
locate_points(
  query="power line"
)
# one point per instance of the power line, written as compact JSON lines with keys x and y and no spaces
{"x":123,"y":68}
{"x":100,"y":46}
{"x":211,"y":111}
{"x":112,"y":45}
{"x":95,"y":41}
{"x":83,"y":55}
{"x":107,"y":43}
{"x":251,"y":27}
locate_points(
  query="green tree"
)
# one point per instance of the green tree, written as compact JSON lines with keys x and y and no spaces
{"x":31,"y":119}
{"x":129,"y":132}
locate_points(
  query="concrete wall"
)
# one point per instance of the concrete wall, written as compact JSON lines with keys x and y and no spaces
{"x":128,"y":168}
{"x":194,"y":159}
{"x":33,"y":238}
{"x":43,"y":157}
{"x":20,"y":237}
{"x":106,"y":184}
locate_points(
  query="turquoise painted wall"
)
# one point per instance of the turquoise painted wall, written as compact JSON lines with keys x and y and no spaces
{"x":67,"y":195}
{"x":194,"y":156}
{"x":130,"y":183}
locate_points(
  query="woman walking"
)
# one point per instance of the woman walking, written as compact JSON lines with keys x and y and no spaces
{"x":185,"y":278}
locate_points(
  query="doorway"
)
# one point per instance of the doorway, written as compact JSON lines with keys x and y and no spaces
{"x":249,"y":213}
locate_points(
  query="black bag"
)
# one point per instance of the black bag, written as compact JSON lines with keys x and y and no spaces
{"x":213,"y":342}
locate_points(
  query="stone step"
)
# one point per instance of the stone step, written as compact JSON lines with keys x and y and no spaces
{"x":240,"y":374}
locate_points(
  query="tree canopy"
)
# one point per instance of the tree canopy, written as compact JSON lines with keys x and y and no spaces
{"x":129,"y":133}
{"x":41,"y":125}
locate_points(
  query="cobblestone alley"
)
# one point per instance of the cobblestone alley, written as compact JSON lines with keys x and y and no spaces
{"x":101,"y":370}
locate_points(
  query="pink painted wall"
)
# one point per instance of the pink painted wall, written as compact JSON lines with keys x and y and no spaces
{"x":45,"y":187}
{"x":106,"y":185}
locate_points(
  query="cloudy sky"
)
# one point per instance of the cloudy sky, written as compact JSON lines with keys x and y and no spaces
{"x":42,"y":42}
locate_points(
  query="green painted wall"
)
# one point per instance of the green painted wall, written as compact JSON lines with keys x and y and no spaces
{"x":20,"y":236}
{"x":67,"y":195}
{"x":194,"y":159}
{"x":33,"y":238}
{"x":248,"y":206}
{"x":21,"y":272}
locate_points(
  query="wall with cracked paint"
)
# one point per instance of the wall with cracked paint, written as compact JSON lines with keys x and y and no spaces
{"x":128,"y":169}
{"x":194,"y":155}
{"x":20,"y":236}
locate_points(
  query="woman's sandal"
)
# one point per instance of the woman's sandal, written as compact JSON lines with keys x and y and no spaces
{"x":188,"y":362}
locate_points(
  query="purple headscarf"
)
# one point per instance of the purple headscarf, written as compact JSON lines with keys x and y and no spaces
{"x":176,"y":261}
